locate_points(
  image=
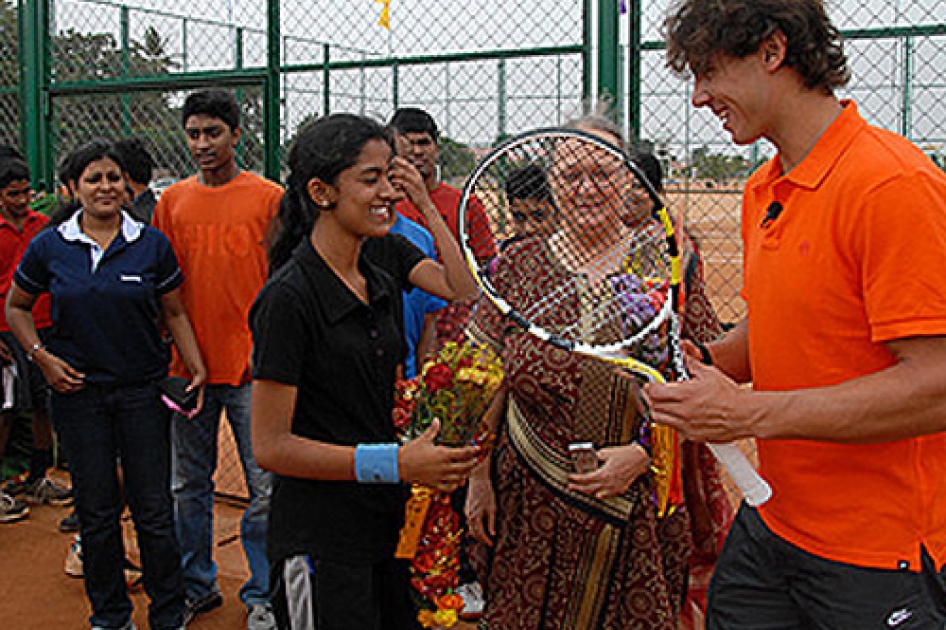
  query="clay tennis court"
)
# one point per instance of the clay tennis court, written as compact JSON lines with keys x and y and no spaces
{"x":38,"y":595}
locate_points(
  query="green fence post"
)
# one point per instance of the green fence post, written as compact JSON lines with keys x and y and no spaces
{"x":501,"y":92}
{"x":395,"y":85}
{"x":34,"y":94}
{"x":586,"y":53}
{"x":184,"y":45}
{"x":608,"y":42}
{"x":634,"y":56}
{"x":326,"y":79}
{"x":238,"y":48}
{"x":125,"y":37}
{"x":271,"y":108}
{"x":906,"y":105}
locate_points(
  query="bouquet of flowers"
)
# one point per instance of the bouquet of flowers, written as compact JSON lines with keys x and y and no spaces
{"x":456,"y":387}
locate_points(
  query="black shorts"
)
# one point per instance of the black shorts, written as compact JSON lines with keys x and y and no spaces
{"x":763,"y":581}
{"x":312,"y":594}
{"x":31,"y":391}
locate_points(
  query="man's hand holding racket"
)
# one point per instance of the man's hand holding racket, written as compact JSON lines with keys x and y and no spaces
{"x":709,"y":407}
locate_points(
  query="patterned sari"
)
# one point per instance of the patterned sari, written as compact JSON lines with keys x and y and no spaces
{"x":564,"y":560}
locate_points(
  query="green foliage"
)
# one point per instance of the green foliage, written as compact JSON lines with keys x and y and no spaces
{"x":457,"y":160}
{"x":717,"y":167}
{"x":80,"y":57}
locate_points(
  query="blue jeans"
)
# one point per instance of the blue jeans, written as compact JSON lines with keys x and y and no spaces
{"x":194,"y":463}
{"x":98,"y":426}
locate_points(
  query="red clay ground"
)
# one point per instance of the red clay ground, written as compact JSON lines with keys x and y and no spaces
{"x":35,"y":593}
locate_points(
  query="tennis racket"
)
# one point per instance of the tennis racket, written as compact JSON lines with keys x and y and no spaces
{"x":588,"y":257}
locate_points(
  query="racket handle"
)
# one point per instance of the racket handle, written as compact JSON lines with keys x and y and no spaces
{"x":753,"y":487}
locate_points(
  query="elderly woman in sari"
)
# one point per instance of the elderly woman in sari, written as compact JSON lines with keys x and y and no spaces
{"x":582,"y":552}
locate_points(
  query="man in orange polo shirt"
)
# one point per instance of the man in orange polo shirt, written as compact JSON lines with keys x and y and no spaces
{"x":218,"y":222}
{"x":844,"y":343}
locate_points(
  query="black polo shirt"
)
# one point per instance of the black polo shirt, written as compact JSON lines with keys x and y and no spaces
{"x":310,"y":331}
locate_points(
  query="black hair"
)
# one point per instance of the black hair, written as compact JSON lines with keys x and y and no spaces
{"x":137,"y":160}
{"x":8,"y":152}
{"x":322,"y":149}
{"x":650,"y":167}
{"x":414,"y":120}
{"x":528,"y":183}
{"x":13,"y":169}
{"x":75,"y":163}
{"x":215,"y":103}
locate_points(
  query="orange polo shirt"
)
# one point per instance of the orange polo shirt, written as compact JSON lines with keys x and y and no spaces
{"x":853,"y":261}
{"x":219,"y":235}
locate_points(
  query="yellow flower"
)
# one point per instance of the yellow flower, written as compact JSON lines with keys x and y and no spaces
{"x":446,"y":618}
{"x":472,"y":375}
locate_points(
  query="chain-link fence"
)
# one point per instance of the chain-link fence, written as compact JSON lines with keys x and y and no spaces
{"x":896,"y":51}
{"x":484,"y":69}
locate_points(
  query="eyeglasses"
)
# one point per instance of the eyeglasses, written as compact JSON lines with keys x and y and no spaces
{"x":535,"y":215}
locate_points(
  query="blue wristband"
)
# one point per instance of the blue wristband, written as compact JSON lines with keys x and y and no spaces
{"x":376,"y":463}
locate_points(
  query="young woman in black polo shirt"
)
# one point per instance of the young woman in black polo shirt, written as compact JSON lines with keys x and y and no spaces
{"x":111,"y":278}
{"x":328,"y":338}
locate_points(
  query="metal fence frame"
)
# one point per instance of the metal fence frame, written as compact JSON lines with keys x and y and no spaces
{"x":37,"y":88}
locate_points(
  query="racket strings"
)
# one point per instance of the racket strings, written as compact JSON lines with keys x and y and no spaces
{"x":582,"y":254}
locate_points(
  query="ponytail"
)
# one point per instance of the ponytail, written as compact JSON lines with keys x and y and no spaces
{"x":295,"y":220}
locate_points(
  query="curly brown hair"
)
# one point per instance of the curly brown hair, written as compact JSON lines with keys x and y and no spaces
{"x":695,"y":30}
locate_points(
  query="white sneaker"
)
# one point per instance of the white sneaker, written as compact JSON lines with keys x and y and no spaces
{"x":74,"y":566}
{"x":473,"y":602}
{"x":261,"y":617}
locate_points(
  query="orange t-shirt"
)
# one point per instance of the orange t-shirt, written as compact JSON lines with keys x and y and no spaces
{"x":845,"y":268}
{"x":219,"y":235}
{"x":13,"y":244}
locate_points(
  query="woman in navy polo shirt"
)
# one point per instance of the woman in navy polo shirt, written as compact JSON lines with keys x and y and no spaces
{"x":111,"y":279}
{"x":328,"y":338}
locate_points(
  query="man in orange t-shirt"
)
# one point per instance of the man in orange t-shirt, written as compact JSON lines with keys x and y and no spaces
{"x":844,"y":343}
{"x":218,"y":222}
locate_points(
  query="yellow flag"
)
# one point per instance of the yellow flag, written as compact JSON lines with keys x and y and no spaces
{"x":385,"y":18}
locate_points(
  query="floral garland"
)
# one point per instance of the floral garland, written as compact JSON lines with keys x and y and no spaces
{"x":456,"y":387}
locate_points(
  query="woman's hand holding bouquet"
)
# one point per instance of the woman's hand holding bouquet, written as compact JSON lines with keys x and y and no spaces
{"x":444,"y":406}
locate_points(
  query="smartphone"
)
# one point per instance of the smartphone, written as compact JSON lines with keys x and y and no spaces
{"x":584,"y":457}
{"x":174,"y":394}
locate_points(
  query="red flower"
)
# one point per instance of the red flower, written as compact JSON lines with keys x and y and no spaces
{"x":438,"y":377}
{"x":401,"y":417}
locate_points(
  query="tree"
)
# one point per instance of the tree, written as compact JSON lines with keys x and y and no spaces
{"x":87,"y":58}
{"x":457,"y":159}
{"x":717,"y":167}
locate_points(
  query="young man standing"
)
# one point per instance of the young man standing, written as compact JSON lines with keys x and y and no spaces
{"x":218,"y":222}
{"x":18,"y":225}
{"x":417,"y":138}
{"x":844,"y":343}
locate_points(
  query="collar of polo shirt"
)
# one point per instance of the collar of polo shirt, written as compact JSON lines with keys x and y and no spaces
{"x":71,"y":230}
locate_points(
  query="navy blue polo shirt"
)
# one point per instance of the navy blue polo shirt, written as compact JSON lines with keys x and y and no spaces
{"x":105,"y":304}
{"x":312,"y":332}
